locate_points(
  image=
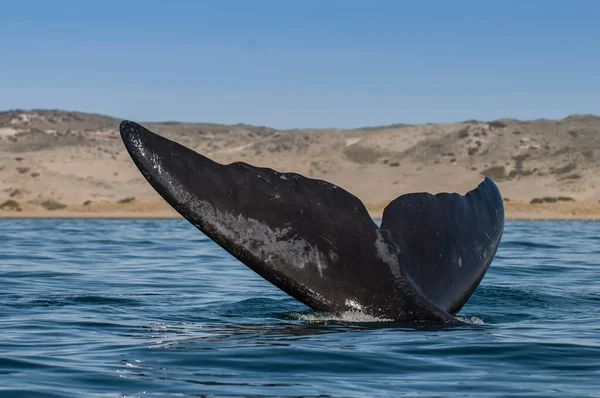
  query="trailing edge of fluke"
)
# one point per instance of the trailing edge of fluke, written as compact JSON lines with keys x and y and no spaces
{"x":317,"y":242}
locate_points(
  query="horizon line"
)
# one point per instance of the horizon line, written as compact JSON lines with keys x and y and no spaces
{"x":397,"y":124}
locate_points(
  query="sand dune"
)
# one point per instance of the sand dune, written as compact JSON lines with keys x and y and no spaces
{"x":52,"y":162}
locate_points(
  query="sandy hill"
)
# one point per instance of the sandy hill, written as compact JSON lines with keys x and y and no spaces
{"x":50,"y":157}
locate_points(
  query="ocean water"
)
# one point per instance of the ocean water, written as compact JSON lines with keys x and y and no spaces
{"x":152,"y":308}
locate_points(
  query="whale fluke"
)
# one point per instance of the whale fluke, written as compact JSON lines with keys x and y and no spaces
{"x":317,"y":242}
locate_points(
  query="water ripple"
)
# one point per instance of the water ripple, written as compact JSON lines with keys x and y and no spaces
{"x":153,"y":308}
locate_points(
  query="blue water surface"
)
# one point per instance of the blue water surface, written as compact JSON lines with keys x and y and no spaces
{"x":153,"y":308}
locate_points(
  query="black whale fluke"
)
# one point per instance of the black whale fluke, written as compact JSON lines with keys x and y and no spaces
{"x":317,"y":242}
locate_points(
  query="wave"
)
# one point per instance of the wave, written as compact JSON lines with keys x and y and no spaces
{"x":471,"y":320}
{"x":345,"y":317}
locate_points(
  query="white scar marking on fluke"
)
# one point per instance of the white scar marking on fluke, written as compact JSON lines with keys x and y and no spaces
{"x":332,"y":256}
{"x":157,"y":164}
{"x":274,"y":246}
{"x":383,"y":250}
{"x":263,"y":177}
{"x":355,"y":305}
{"x":137,"y":143}
{"x":319,"y":267}
{"x":154,"y":159}
{"x":478,"y":251}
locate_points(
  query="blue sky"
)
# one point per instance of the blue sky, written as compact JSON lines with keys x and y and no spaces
{"x":302,"y":63}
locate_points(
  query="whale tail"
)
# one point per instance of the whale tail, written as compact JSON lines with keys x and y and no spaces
{"x":449,"y":240}
{"x":317,"y":242}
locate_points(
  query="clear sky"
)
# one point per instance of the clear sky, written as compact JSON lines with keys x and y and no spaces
{"x":303,"y":63}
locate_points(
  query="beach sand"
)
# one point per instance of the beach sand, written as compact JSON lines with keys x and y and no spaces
{"x":515,"y":210}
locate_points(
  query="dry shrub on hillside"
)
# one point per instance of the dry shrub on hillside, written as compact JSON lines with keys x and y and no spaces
{"x":10,"y":205}
{"x":550,"y":199}
{"x":565,"y":169}
{"x":359,"y":154}
{"x":496,"y":124}
{"x":464,"y":133}
{"x":570,"y":177}
{"x":52,"y":204}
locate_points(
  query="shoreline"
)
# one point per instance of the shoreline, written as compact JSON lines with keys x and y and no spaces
{"x":169,"y":215}
{"x":109,"y":216}
{"x":159,"y":209}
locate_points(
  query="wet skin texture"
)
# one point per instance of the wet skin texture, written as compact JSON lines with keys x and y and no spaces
{"x":317,"y":242}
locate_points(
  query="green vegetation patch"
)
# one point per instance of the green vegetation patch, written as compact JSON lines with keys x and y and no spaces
{"x":52,"y":205}
{"x":10,"y":205}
